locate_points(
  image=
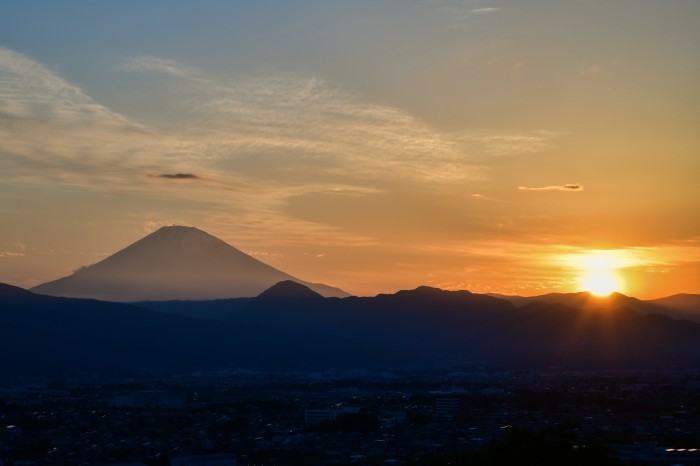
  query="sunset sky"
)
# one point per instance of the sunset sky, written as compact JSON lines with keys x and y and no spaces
{"x":497,"y":146}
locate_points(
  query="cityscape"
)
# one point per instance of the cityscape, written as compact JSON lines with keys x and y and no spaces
{"x":471,"y":415}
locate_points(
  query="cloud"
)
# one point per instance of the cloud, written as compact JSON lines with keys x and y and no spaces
{"x":177,"y":176}
{"x":456,"y":14}
{"x":259,"y":141}
{"x":575,"y":187}
{"x":276,"y":125}
{"x":163,"y":65}
{"x":483,"y":11}
{"x":81,"y":142}
{"x":19,"y":250}
{"x":509,"y":143}
{"x":11,"y":254}
{"x":153,"y":225}
{"x":30,"y":91}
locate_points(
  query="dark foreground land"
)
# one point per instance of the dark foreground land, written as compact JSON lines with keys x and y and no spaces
{"x":470,"y":416}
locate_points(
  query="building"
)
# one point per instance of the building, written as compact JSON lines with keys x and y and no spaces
{"x":449,"y":404}
{"x":316,"y":416}
{"x":204,"y":460}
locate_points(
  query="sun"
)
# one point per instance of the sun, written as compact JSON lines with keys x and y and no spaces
{"x":600,"y":282}
{"x":598,"y":273}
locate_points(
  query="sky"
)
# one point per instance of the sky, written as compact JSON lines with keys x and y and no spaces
{"x":515,"y":147}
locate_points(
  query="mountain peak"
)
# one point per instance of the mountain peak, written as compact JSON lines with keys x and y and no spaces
{"x":174,"y":262}
{"x":179,"y":232}
{"x":170,"y":229}
{"x":289,"y":289}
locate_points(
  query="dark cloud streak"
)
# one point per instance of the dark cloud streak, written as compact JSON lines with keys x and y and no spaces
{"x":177,"y":176}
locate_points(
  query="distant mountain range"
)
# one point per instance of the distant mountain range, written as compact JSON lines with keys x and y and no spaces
{"x":175,"y":262}
{"x":679,"y":306}
{"x":291,"y":327}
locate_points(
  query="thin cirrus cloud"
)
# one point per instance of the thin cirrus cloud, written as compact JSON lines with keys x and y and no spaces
{"x":30,"y":91}
{"x":456,"y":14}
{"x":573,"y":187}
{"x":82,"y":142}
{"x":483,"y":11}
{"x":257,"y":141}
{"x":291,"y":123}
{"x":86,"y":145}
{"x":160,"y":64}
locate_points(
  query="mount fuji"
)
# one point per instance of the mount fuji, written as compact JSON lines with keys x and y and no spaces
{"x":175,"y":263}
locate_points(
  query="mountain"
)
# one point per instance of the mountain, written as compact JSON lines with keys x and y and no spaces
{"x":289,"y":289}
{"x":46,"y":336}
{"x":10,"y":292}
{"x":290,"y":328}
{"x":680,"y":306}
{"x":426,"y":324}
{"x":174,"y":262}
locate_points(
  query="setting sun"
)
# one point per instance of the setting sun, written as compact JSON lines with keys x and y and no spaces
{"x":600,"y":283}
{"x":598,"y":272}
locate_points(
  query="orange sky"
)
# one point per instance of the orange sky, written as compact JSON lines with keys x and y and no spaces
{"x":491,"y":146}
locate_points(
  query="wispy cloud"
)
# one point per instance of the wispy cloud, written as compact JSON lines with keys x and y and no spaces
{"x":30,"y":91}
{"x":162,"y":65}
{"x":11,"y":254}
{"x":509,"y":143}
{"x":153,"y":225}
{"x":17,"y":250}
{"x":81,"y":141}
{"x":574,"y":187}
{"x":258,"y":142}
{"x":460,"y":13}
{"x":483,"y":11}
{"x":292,"y":124}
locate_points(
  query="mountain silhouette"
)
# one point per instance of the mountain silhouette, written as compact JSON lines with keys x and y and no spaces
{"x":429,"y":324}
{"x":679,"y":306}
{"x":10,"y":292}
{"x":289,"y":289}
{"x":174,"y":262}
{"x":294,"y":329}
{"x":47,"y":336}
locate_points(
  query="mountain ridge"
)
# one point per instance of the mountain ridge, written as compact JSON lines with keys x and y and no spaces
{"x":680,"y":306}
{"x":418,"y":328}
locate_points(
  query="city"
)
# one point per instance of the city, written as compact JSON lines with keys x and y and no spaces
{"x":473,"y":415}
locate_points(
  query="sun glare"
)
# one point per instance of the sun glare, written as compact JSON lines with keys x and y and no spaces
{"x":598,"y":272}
{"x":600,"y":283}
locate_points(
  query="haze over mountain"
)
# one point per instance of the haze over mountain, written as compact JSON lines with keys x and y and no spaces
{"x":175,"y":262}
